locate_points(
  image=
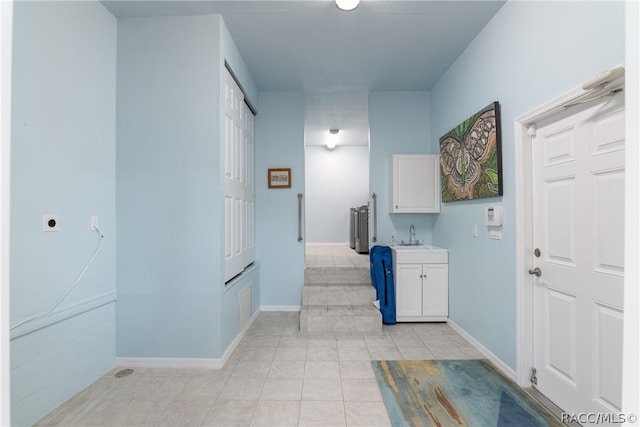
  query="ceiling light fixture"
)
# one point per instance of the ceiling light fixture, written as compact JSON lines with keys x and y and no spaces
{"x":347,"y":4}
{"x":331,"y":140}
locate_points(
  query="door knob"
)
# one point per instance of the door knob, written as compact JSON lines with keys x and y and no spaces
{"x":536,"y":272}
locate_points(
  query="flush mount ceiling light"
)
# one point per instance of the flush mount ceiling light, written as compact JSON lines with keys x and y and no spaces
{"x":331,"y":140}
{"x":347,"y":4}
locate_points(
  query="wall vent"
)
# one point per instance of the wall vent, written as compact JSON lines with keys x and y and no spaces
{"x":244,"y":306}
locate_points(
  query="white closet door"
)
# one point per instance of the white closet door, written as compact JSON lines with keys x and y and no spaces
{"x":249,"y":188}
{"x":238,"y":180}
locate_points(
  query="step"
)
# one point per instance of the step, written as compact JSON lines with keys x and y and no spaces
{"x":340,"y":319}
{"x":338,"y":294}
{"x":343,"y":275}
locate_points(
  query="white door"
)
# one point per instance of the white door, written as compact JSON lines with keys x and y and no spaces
{"x":435,"y":294}
{"x":408,"y":284}
{"x":239,"y":209}
{"x":578,"y":223}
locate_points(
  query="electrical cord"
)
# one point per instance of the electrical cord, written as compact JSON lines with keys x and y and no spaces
{"x":73,"y":285}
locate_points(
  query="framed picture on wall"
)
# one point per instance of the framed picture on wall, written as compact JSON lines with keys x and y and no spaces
{"x":471,"y":157}
{"x":279,"y":178}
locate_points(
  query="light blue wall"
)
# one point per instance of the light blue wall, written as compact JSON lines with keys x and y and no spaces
{"x":232,"y":56}
{"x":399,"y":123}
{"x":529,"y":53}
{"x":170,"y":187}
{"x":63,"y":162}
{"x":169,"y":257}
{"x":279,"y":143}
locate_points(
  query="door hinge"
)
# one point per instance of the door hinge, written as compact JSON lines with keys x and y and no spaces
{"x":534,"y":378}
{"x":531,"y":131}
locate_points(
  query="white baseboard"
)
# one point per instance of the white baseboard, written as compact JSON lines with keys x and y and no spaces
{"x":187,"y":362}
{"x":506,"y":369}
{"x":280,"y":308}
{"x":169,"y":362}
{"x":328,"y":243}
{"x":229,"y":351}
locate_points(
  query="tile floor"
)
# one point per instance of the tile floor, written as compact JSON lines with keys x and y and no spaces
{"x":275,"y":377}
{"x":320,"y":255}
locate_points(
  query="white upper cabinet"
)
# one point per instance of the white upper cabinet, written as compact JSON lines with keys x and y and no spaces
{"x":415,"y":183}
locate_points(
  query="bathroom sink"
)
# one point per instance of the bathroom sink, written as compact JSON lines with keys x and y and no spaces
{"x":424,"y":254}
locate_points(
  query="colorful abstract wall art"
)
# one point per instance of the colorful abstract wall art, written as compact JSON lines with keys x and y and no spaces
{"x":471,"y":157}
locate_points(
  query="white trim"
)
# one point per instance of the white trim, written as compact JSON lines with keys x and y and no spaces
{"x":68,"y":312}
{"x":6,"y":34}
{"x":631,"y":348}
{"x":442,"y":318}
{"x":328,"y":243}
{"x":187,"y":362}
{"x":169,"y":363}
{"x":524,"y":247}
{"x":240,"y":277}
{"x":280,"y":308}
{"x":524,"y":230}
{"x":524,"y":224}
{"x":506,"y":369}
{"x":229,"y":351}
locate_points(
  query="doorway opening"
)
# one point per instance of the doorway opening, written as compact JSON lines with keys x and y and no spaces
{"x":568,"y":153}
{"x":336,"y":171}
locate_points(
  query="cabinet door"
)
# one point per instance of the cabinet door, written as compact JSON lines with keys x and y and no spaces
{"x":408,"y":283}
{"x":435,"y":296}
{"x":415,"y":184}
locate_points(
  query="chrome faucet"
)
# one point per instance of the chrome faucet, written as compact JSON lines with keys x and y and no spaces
{"x":412,"y":233}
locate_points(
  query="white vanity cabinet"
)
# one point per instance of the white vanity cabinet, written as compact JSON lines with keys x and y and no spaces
{"x":421,"y":279}
{"x":415,"y":183}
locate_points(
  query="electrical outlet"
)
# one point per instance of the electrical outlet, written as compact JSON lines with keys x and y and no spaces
{"x":94,"y":223}
{"x":50,"y":222}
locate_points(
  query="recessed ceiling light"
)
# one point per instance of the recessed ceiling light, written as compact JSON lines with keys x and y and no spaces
{"x":332,"y":139}
{"x":347,"y":4}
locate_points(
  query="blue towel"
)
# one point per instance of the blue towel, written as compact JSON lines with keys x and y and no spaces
{"x":382,"y":280}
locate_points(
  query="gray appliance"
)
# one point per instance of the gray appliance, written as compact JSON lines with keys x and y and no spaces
{"x":353,"y":213}
{"x":362,"y":229}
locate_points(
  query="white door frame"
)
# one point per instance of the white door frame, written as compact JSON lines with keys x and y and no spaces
{"x":6,"y":31}
{"x":631,"y":349}
{"x":524,"y":228}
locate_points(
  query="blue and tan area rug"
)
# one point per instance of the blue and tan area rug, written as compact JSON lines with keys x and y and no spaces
{"x":455,"y":393}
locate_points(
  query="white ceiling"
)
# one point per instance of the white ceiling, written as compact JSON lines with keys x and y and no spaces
{"x":338,"y":57}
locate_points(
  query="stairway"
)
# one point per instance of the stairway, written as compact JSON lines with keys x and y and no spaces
{"x":338,"y":300}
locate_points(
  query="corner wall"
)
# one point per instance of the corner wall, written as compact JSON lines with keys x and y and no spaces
{"x":279,"y":143}
{"x":529,"y":53}
{"x":170,"y":188}
{"x":230,"y":292}
{"x":399,"y":123}
{"x":62,"y":162}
